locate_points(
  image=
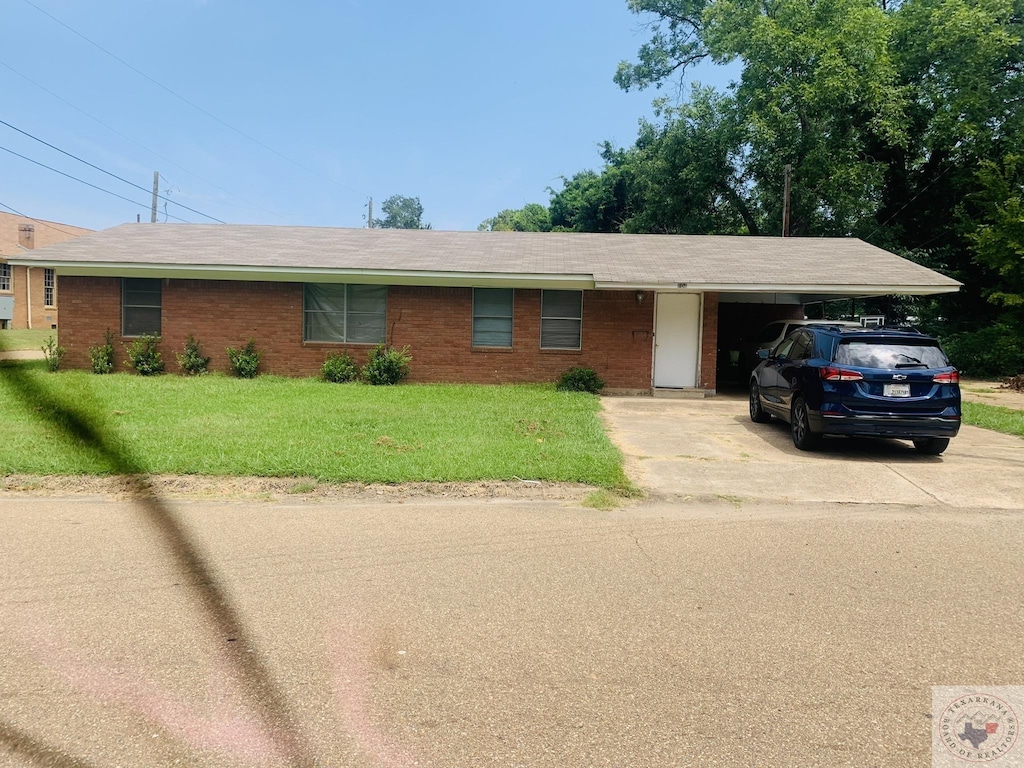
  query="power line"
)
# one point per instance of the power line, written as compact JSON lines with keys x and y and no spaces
{"x":47,"y":224}
{"x":82,"y":181}
{"x":126,"y":137}
{"x":108,"y":173}
{"x":194,"y":106}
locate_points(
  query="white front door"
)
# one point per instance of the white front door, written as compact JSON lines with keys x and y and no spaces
{"x":676,"y":340}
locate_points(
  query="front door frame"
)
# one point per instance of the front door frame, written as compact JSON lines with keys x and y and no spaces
{"x":698,"y":371}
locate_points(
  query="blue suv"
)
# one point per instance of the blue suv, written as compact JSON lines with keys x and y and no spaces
{"x":864,"y":382}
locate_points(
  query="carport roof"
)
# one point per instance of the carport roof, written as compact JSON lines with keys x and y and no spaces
{"x":807,"y":266}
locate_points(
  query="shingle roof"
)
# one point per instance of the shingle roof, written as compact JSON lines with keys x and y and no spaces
{"x":609,"y":260}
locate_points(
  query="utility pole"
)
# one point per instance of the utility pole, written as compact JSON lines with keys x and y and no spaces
{"x":156,"y":193}
{"x":369,"y":218}
{"x":785,"y":202}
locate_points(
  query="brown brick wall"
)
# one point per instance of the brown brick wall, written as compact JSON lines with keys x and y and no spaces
{"x":709,"y":343}
{"x":18,"y":230}
{"x":436,"y":324}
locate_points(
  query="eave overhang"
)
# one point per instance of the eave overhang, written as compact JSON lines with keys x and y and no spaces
{"x":315,"y":274}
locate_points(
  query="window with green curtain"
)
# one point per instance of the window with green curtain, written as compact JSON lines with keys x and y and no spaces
{"x":492,"y":317}
{"x":140,"y":306}
{"x":344,"y":313}
{"x":561,"y":319}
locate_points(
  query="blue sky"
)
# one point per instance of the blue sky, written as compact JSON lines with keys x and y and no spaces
{"x":471,"y":106}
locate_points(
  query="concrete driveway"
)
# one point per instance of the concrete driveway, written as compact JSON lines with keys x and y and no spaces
{"x":680,"y":449}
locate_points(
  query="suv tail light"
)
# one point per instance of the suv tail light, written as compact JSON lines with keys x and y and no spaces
{"x":839,"y":374}
{"x":952,"y":377}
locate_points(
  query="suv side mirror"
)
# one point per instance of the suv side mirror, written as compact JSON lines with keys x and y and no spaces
{"x":764,"y":354}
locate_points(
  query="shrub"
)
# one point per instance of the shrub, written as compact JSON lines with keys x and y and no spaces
{"x":580,"y":379}
{"x":102,"y":357}
{"x":339,"y":369}
{"x":191,"y":359}
{"x":387,"y":365}
{"x":245,"y":362}
{"x":993,"y":351}
{"x":144,"y":356}
{"x":53,"y":354}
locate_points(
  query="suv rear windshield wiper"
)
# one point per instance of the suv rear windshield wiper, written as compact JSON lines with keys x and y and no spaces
{"x":912,"y":362}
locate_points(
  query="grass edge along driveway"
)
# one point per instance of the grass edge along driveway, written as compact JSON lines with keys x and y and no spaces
{"x":280,"y":427}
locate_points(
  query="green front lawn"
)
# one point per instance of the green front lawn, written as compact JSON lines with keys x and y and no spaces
{"x":994,"y":417}
{"x":269,"y":426}
{"x":25,"y":339}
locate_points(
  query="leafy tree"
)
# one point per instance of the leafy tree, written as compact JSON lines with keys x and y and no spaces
{"x":598,"y":202}
{"x":401,"y":212}
{"x":532,"y":217}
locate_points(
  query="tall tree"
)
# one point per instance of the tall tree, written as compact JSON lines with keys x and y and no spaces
{"x":532,"y":217}
{"x":401,"y":212}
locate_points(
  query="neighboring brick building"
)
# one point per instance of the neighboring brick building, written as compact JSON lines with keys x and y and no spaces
{"x":28,"y":295}
{"x":642,"y":310}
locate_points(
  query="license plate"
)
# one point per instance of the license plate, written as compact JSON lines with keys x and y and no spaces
{"x":897,"y":390}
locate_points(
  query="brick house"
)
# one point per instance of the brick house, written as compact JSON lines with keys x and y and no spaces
{"x":643,"y":310}
{"x":28,"y":296}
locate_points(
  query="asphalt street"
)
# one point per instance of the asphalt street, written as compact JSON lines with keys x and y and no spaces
{"x":433,"y":632}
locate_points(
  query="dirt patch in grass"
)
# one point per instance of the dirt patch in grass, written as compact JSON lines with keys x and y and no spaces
{"x":279,"y":488}
{"x":991,"y":393}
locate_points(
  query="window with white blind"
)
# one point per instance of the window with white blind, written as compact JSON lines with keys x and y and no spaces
{"x":49,"y":287}
{"x":355,"y":314}
{"x":492,"y":317}
{"x":561,"y":319}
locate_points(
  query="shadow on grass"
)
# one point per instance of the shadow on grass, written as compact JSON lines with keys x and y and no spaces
{"x":76,"y":428}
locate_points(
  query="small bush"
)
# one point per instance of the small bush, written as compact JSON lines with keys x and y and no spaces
{"x":144,"y":356}
{"x":579,"y":379}
{"x":339,"y":369}
{"x":53,"y":354}
{"x":245,"y":363}
{"x":387,"y":365}
{"x":997,"y":350}
{"x":102,"y":357}
{"x":191,"y":359}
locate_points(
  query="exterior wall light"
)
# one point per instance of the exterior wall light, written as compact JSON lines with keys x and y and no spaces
{"x":639,"y":297}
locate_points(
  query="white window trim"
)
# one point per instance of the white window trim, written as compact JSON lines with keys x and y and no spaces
{"x":8,"y":278}
{"x":543,"y":318}
{"x":345,"y":316}
{"x":159,"y":306}
{"x":511,"y":318}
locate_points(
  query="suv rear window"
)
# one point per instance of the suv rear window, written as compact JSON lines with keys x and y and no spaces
{"x":895,"y":353}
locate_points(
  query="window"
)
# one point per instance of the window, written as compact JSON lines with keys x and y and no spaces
{"x":140,"y":306}
{"x":49,"y":285}
{"x":5,"y":277}
{"x":492,"y":317}
{"x":344,"y":313}
{"x":803,"y":345}
{"x":561,"y":319}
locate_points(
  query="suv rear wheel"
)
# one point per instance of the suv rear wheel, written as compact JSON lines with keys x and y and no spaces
{"x":757,"y":413}
{"x":931,"y":446}
{"x":803,"y":438}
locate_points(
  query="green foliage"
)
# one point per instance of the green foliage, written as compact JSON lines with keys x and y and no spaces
{"x":144,"y":356}
{"x":339,"y":369}
{"x":102,"y":357}
{"x":245,"y":362}
{"x":191,"y":360}
{"x":532,"y":217}
{"x":53,"y":354}
{"x":995,"y":417}
{"x":401,"y":212}
{"x":997,"y":350}
{"x":387,"y":365}
{"x":580,"y":379}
